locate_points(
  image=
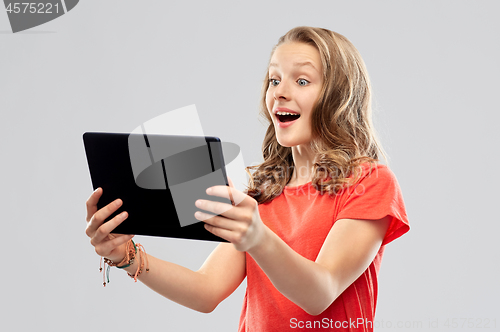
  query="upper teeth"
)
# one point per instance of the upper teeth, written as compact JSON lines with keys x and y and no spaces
{"x":285,"y":113}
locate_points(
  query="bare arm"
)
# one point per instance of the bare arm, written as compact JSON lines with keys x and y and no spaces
{"x":348,"y":250}
{"x":201,"y":290}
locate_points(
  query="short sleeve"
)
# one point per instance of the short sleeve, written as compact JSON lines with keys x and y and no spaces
{"x":374,"y":196}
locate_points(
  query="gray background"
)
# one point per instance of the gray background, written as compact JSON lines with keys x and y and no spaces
{"x":111,"y":65}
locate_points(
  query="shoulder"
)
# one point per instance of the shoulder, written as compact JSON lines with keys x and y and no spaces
{"x":375,"y":178}
{"x":374,"y":172}
{"x":377,"y":194}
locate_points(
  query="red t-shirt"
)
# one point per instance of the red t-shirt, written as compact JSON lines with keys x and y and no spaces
{"x":302,"y":218}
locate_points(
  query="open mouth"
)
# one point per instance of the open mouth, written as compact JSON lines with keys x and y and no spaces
{"x":287,"y":117}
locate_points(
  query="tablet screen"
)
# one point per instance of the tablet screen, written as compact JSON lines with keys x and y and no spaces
{"x":159,"y":178}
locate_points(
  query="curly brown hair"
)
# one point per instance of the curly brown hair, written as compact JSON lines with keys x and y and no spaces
{"x":342,"y":128}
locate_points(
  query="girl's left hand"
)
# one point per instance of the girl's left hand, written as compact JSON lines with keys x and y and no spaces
{"x":241,"y":224}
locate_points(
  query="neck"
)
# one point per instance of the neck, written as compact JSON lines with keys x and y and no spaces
{"x":303,"y":159}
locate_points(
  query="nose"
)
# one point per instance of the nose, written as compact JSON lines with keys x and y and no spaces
{"x":281,"y":91}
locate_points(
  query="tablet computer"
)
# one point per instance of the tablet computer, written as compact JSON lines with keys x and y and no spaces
{"x":159,"y":178}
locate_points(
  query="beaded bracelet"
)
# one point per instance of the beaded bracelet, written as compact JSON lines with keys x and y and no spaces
{"x":129,"y":258}
{"x":131,"y":252}
{"x":143,"y":257}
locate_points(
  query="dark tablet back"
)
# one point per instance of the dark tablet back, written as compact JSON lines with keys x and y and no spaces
{"x":158,"y":177}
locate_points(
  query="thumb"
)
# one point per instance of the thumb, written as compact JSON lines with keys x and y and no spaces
{"x":230,"y":182}
{"x":231,"y":185}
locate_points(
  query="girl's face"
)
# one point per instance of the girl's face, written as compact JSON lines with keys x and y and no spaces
{"x":295,"y":81}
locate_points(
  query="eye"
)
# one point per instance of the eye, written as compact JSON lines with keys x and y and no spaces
{"x":302,"y":82}
{"x":274,"y":82}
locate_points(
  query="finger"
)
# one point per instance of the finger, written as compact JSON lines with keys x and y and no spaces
{"x":230,"y":182}
{"x":220,"y":232}
{"x":231,"y":185}
{"x":229,"y":192}
{"x":103,"y":231}
{"x":218,"y":208}
{"x":202,"y":216}
{"x":105,"y":248}
{"x":98,"y":218}
{"x":216,"y":221}
{"x":92,"y":203}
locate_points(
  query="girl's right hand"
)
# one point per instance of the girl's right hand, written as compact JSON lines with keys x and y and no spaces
{"x":110,"y":246}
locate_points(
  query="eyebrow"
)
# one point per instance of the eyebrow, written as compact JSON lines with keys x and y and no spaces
{"x":295,"y":64}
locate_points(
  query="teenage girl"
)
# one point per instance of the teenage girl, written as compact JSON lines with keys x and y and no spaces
{"x":310,"y":231}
